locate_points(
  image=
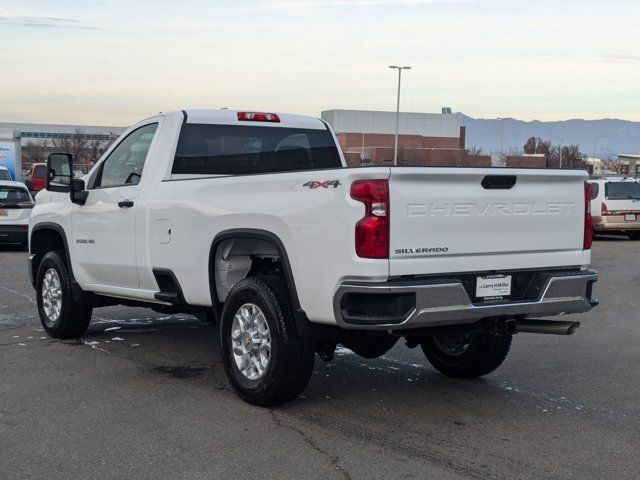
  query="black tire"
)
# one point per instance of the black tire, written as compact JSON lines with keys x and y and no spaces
{"x":483,"y":354}
{"x":291,"y":360}
{"x":74,"y":317}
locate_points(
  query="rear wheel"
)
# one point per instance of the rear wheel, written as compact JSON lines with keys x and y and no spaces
{"x":466,"y":356}
{"x":60,"y":315}
{"x":266,"y":361}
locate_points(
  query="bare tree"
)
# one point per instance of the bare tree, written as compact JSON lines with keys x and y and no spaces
{"x":611,"y":165}
{"x":474,"y":157}
{"x":76,"y":144}
{"x":530,"y":145}
{"x":512,"y":152}
{"x":475,"y":151}
{"x":112,"y":138}
{"x":95,"y":148}
{"x":572,"y":157}
{"x":35,"y":152}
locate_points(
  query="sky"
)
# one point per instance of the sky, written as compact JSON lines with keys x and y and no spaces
{"x":113,"y":62}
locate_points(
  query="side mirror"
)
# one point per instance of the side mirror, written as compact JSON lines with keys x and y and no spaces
{"x":29,"y":185}
{"x":59,"y":172}
{"x":78,"y":193}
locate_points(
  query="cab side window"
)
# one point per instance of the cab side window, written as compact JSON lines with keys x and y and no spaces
{"x":125,"y":163}
{"x":596,"y":190}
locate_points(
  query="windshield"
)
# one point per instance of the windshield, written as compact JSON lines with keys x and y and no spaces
{"x":237,"y":150}
{"x":9,"y":195}
{"x":622,"y":190}
{"x":4,"y":175}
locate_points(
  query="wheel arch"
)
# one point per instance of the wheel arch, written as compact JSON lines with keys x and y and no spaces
{"x":44,"y":238}
{"x":272,"y":239}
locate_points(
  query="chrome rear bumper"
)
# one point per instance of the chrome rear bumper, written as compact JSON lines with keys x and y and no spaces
{"x":439,"y":302}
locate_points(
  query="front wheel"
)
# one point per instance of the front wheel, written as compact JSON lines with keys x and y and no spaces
{"x":266,"y":361}
{"x":466,"y":356}
{"x":60,"y":315}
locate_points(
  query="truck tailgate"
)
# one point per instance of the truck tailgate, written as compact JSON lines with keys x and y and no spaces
{"x":443,"y":220}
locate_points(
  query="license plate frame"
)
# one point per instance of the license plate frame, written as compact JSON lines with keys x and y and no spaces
{"x":493,"y":287}
{"x":630,"y":217}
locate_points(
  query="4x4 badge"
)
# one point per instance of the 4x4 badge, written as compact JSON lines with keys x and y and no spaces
{"x":326,"y":184}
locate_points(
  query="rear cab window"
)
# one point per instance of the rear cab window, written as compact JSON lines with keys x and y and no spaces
{"x":595,"y":191}
{"x":622,"y":190}
{"x":205,"y":149}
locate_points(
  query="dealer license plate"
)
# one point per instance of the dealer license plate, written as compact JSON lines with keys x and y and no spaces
{"x":630,"y":217}
{"x":493,"y":286}
{"x":3,"y":213}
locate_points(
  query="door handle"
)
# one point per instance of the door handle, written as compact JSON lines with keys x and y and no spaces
{"x":125,"y":204}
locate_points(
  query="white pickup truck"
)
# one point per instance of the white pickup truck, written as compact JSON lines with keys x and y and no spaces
{"x":253,"y":219}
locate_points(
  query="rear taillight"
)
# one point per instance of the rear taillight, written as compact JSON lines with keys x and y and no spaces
{"x":603,"y":209}
{"x":588,"y":221}
{"x":372,"y":232}
{"x":258,"y":117}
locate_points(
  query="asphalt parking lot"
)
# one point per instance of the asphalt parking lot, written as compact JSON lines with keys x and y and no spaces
{"x":144,"y":395}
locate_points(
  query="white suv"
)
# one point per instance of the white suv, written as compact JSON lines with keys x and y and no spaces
{"x":15,"y":209}
{"x":615,"y":206}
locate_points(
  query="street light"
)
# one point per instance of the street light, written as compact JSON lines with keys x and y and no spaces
{"x":595,"y":140}
{"x":561,"y":142}
{"x":395,"y":148}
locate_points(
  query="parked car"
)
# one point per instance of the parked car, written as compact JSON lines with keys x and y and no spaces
{"x":5,"y":174}
{"x":615,"y":206}
{"x":254,"y":219}
{"x":16,"y":204}
{"x":38,"y":176}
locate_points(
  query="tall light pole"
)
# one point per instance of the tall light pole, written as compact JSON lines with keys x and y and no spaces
{"x":595,"y":140}
{"x":561,"y":142}
{"x":501,"y":136}
{"x":395,"y":148}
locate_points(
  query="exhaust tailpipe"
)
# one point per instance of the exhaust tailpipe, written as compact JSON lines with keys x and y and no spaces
{"x":549,"y":327}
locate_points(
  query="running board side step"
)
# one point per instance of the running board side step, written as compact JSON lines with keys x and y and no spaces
{"x":549,"y":327}
{"x":170,"y":290}
{"x":167,"y":297}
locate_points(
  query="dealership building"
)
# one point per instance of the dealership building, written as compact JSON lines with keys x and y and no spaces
{"x":368,"y":137}
{"x":17,"y":138}
{"x":629,"y":164}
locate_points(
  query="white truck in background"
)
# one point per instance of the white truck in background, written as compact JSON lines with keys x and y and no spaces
{"x":254,"y":219}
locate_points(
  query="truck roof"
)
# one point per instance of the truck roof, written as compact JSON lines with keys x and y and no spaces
{"x":230,"y":117}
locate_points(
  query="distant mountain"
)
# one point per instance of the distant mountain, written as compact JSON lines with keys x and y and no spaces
{"x":618,"y":136}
